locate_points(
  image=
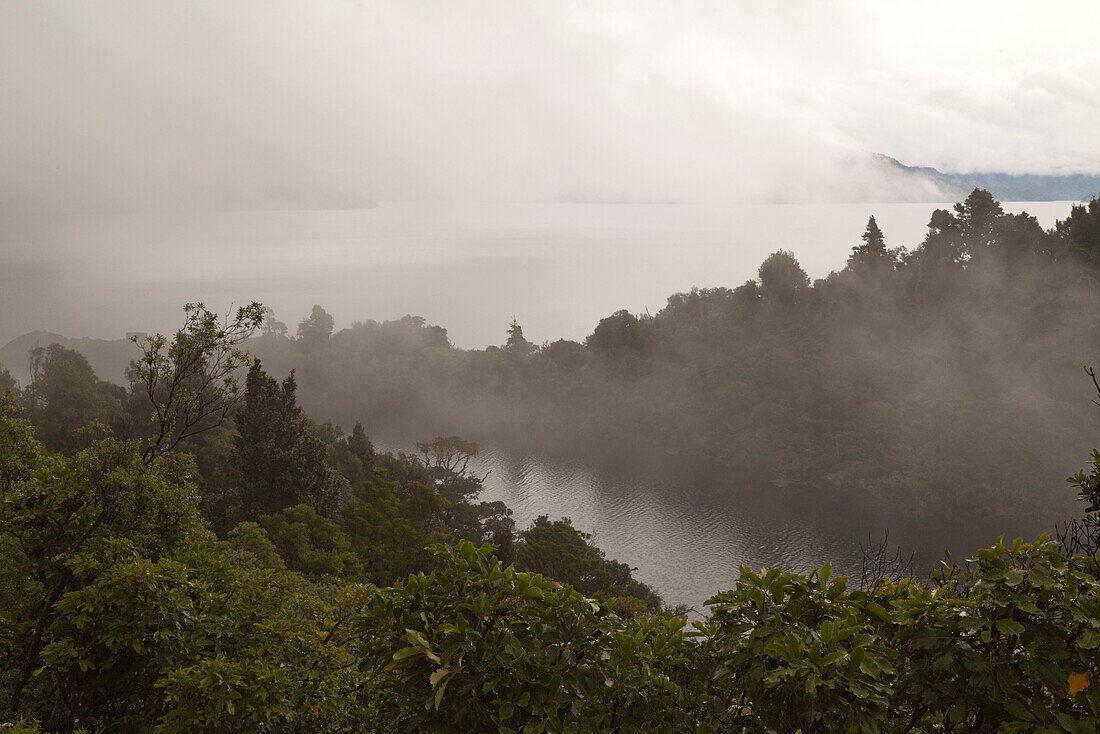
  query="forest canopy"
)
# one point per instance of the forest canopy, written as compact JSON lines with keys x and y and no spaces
{"x":948,"y":374}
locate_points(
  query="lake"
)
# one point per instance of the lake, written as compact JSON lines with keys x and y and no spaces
{"x":688,"y":529}
{"x":557,"y":268}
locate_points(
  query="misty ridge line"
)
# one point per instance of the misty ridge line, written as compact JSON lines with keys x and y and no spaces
{"x":864,"y":177}
{"x":300,"y":230}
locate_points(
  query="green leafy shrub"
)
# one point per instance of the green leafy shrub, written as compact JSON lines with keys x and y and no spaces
{"x":310,"y":543}
{"x":476,"y":647}
{"x":1007,"y":643}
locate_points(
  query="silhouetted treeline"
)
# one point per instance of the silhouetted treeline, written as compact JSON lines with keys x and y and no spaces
{"x":948,"y":372}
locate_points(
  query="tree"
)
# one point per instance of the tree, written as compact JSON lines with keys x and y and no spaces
{"x":7,"y":382}
{"x":940,"y":253}
{"x":955,"y":238}
{"x":976,"y":216}
{"x":390,"y":527}
{"x":782,"y":278}
{"x":475,"y":645}
{"x":351,"y":456}
{"x":249,"y":547}
{"x":445,"y":464}
{"x":872,"y":253}
{"x":192,"y":382}
{"x":447,"y":461}
{"x":65,"y":396}
{"x":1080,"y":236}
{"x":565,"y":554}
{"x":621,"y":330}
{"x":188,"y":643}
{"x":309,"y":543}
{"x":1088,"y":484}
{"x":278,"y":457}
{"x":516,"y":342}
{"x":1013,"y":650}
{"x":1020,"y":238}
{"x":272,"y":326}
{"x":514,"y":648}
{"x":116,"y":612}
{"x":361,"y":446}
{"x":315,"y":330}
{"x":564,"y":354}
{"x":20,"y":450}
{"x":72,"y":517}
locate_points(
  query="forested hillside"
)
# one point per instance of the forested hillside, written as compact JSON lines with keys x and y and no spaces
{"x":945,"y":376}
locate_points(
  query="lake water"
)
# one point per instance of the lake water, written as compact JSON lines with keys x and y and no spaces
{"x":688,"y":530}
{"x":558,"y":269}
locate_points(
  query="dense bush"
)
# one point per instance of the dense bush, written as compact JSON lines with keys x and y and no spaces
{"x":120,"y":610}
{"x":138,"y":621}
{"x":1009,"y":643}
{"x":999,"y":648}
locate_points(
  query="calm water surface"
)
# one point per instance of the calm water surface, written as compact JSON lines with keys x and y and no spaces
{"x":688,"y":532}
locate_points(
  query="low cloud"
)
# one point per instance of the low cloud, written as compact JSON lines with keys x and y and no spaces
{"x":137,"y":105}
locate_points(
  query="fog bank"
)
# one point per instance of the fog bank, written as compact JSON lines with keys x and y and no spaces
{"x":334,"y":104}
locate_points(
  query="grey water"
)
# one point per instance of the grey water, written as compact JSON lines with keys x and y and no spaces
{"x":688,"y":530}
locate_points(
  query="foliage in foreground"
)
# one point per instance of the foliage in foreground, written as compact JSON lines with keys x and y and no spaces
{"x":155,"y":630}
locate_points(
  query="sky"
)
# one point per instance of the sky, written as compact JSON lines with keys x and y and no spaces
{"x":333,"y":103}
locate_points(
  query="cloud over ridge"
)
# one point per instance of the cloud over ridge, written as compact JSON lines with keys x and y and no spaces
{"x":123,"y":105}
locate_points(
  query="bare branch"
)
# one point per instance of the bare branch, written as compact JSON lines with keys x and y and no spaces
{"x":1095,"y":383}
{"x":879,"y":564}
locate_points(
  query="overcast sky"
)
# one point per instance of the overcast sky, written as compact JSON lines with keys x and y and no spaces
{"x":107,"y":105}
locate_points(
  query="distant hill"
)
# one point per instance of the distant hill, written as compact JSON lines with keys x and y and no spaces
{"x":1003,"y":186}
{"x":108,"y":357}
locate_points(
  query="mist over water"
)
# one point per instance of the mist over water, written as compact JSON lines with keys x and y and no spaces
{"x":557,"y":268}
{"x":689,"y":529}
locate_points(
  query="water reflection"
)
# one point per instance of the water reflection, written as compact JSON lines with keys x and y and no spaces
{"x":688,"y":532}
